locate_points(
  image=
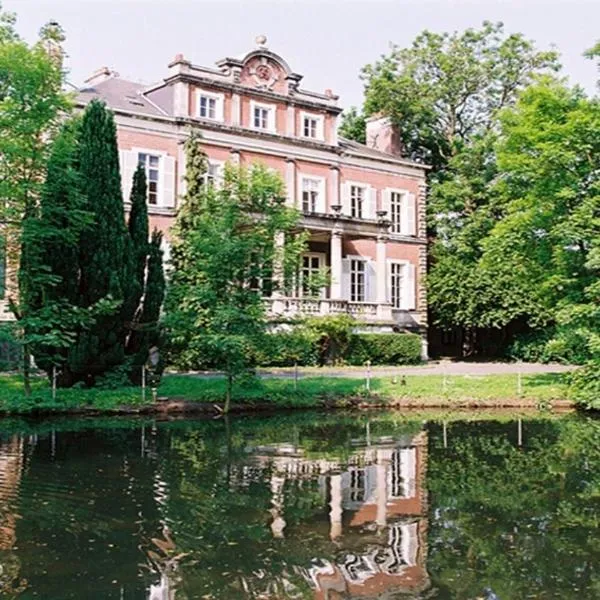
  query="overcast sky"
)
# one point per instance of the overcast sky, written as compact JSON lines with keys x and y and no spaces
{"x":326,"y":41}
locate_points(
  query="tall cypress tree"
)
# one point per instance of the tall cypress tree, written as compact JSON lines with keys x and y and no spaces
{"x":138,"y":236}
{"x":49,"y":266}
{"x":104,"y":253}
{"x":148,"y":281}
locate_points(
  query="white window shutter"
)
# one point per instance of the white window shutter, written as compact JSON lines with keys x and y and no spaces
{"x":128,"y":162}
{"x":346,"y":199}
{"x":219,"y":109}
{"x":371,"y":197}
{"x":370,"y":281}
{"x":411,"y":214}
{"x":409,"y":288}
{"x":386,"y":204}
{"x":322,"y":201}
{"x":168,"y":186}
{"x":345,"y":279}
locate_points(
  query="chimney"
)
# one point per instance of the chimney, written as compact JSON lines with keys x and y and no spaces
{"x":100,"y":75}
{"x":383,"y":135}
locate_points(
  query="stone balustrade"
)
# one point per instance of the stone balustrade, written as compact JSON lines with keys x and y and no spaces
{"x":289,"y":307}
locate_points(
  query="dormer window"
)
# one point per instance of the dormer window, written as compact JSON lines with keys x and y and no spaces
{"x":210,"y":106}
{"x":262,"y":116}
{"x":312,"y":126}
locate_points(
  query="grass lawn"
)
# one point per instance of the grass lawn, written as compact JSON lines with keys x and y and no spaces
{"x":421,"y":390}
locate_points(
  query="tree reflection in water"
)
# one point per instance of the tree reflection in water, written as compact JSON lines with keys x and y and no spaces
{"x":304,"y":506}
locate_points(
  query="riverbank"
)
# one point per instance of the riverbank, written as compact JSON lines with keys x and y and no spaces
{"x":189,"y":393}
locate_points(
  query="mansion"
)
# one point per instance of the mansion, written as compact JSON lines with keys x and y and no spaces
{"x":362,"y":205}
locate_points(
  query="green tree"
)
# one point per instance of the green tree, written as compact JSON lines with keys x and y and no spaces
{"x":223,"y":259}
{"x":32,"y":104}
{"x":447,"y":88}
{"x":49,"y":273}
{"x":105,"y":266}
{"x":353,"y":125}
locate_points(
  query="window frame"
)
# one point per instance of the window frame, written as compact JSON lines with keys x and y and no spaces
{"x":397,"y":303}
{"x":271,"y":116}
{"x":319,"y":129}
{"x":320,"y":204}
{"x":161,"y":174}
{"x":398,"y":227}
{"x":219,"y":105}
{"x":322,"y":258}
{"x":364,"y":199}
{"x":352,"y":284}
{"x":216,"y":179}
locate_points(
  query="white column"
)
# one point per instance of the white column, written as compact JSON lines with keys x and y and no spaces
{"x":291,"y":121}
{"x":181,"y":99}
{"x":290,"y":182}
{"x":335,"y":515}
{"x":236,"y":110}
{"x":381,"y":270}
{"x":382,"y":492}
{"x":334,"y":186}
{"x":336,"y":265}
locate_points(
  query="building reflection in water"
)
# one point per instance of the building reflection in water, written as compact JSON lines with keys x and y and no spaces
{"x":11,"y":470}
{"x":377,"y":504}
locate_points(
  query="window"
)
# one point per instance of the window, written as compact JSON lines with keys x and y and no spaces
{"x":213,"y":175}
{"x":357,"y":201}
{"x":311,"y":266}
{"x":396,"y":284}
{"x":151,"y":164}
{"x":396,"y":199}
{"x":312,"y":126}
{"x":357,"y":485}
{"x":263,"y":116}
{"x":210,"y":106}
{"x":357,"y":280}
{"x":311,"y":192}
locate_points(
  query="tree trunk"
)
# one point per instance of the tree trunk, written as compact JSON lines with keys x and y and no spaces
{"x":228,"y":393}
{"x":26,"y":370}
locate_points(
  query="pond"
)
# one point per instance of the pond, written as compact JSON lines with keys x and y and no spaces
{"x":319,"y":506}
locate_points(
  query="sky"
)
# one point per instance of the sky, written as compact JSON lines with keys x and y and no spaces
{"x":327,"y":41}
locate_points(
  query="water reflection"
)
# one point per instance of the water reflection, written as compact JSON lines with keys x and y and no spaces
{"x":377,"y":513}
{"x":304,"y":507}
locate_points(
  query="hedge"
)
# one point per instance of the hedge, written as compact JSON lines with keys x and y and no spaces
{"x":384,"y":349}
{"x":299,"y":347}
{"x":287,"y":349}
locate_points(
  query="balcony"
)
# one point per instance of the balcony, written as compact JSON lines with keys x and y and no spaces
{"x":290,"y":308}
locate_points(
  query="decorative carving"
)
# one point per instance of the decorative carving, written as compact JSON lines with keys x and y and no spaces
{"x":264,"y":75}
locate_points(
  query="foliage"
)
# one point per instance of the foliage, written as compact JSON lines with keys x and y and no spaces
{"x":286,"y":349}
{"x":333,"y":335}
{"x":32,"y":104}
{"x":499,"y":506}
{"x":585,"y":385}
{"x":384,"y":349}
{"x":10,"y":348}
{"x":86,"y":315}
{"x":353,"y":125}
{"x":447,"y":88}
{"x":225,"y":260}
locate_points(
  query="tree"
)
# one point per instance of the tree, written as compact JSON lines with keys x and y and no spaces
{"x":447,"y":88}
{"x":49,"y":267}
{"x":353,"y":125}
{"x":225,"y":260}
{"x":32,"y":104}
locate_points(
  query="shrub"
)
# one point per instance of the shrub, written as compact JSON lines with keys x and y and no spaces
{"x":10,"y":348}
{"x":585,"y":385}
{"x":384,"y":349}
{"x":333,"y":335}
{"x":287,"y":349}
{"x":548,"y":345}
